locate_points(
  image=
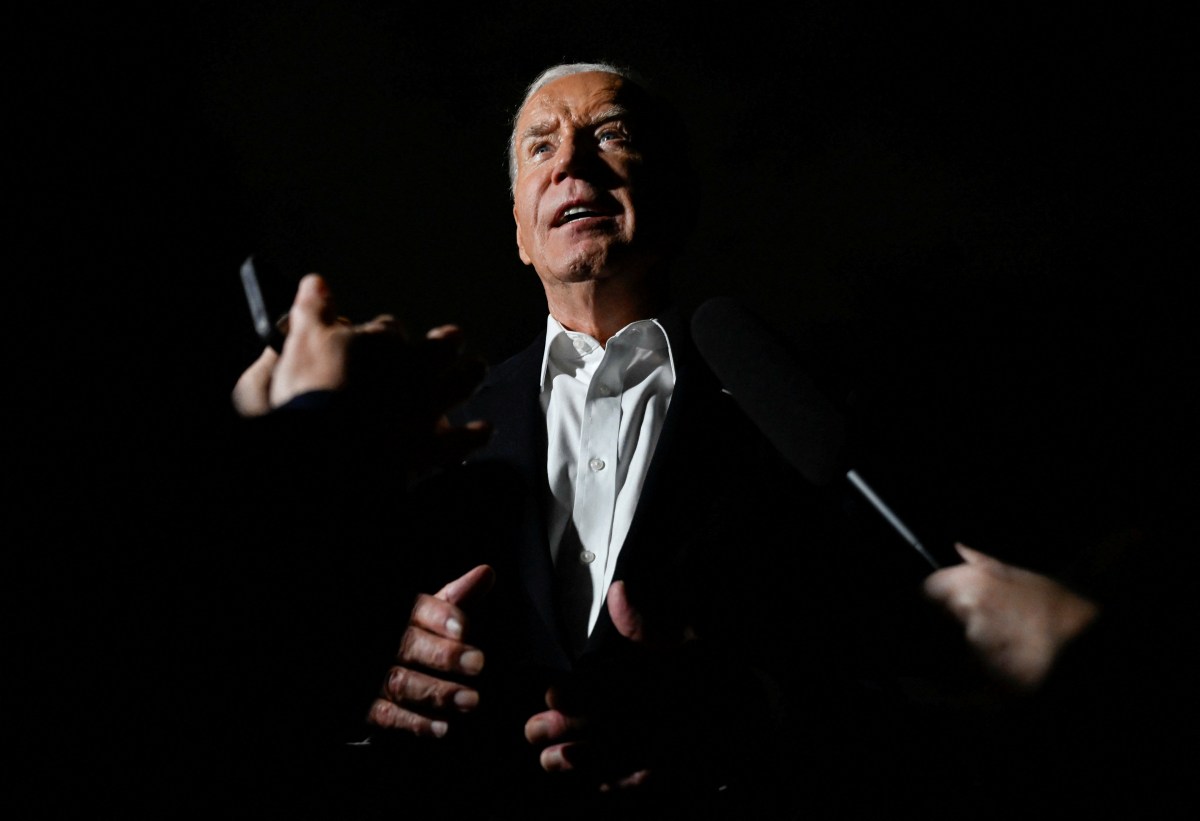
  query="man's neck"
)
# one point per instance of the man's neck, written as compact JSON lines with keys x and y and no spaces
{"x":600,"y":308}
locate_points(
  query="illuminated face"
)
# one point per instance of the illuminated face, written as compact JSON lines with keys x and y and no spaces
{"x":579,"y":164}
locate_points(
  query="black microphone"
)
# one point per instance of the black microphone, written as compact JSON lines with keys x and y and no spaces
{"x":759,"y":369}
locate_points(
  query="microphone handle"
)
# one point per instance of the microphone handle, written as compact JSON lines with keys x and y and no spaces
{"x":890,"y":516}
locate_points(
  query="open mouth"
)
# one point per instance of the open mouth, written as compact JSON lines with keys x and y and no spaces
{"x":575,"y":213}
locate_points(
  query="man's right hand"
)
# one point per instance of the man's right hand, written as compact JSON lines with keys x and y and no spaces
{"x":422,"y":692}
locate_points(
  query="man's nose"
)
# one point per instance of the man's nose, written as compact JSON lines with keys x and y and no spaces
{"x":573,"y":158}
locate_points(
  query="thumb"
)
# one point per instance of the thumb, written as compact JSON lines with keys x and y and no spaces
{"x":972,"y":556}
{"x":469,"y":587}
{"x":625,"y":617}
{"x":313,"y":303}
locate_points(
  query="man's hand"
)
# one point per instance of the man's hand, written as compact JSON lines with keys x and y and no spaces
{"x":568,"y":729}
{"x":1016,"y":620}
{"x":421,"y":693}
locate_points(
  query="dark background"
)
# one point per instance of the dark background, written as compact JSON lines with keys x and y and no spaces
{"x":970,"y":218}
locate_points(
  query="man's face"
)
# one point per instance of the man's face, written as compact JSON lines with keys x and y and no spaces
{"x":578,"y":167}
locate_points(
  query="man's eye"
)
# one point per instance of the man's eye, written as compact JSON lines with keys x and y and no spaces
{"x":540,"y":148}
{"x":609,"y":134}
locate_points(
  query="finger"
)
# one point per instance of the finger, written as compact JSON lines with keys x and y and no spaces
{"x":313,"y":304}
{"x":449,"y":655}
{"x":939,"y":584}
{"x":629,"y":782}
{"x":975,"y":557}
{"x":553,"y":726}
{"x":469,"y":587}
{"x":569,"y":698}
{"x":584,"y":757}
{"x":382,"y":324}
{"x":391,"y":716}
{"x":251,"y":394}
{"x":450,"y":331}
{"x":439,"y":617}
{"x":625,"y":617}
{"x":955,"y":588}
{"x":556,"y":758}
{"x":428,"y":694}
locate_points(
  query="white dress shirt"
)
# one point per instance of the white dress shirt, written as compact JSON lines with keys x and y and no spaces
{"x":604,"y":411}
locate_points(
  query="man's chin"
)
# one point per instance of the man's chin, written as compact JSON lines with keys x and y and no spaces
{"x":587,"y":267}
{"x":611,"y":262}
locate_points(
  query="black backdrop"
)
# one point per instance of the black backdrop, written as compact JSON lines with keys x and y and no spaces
{"x":971,"y":219}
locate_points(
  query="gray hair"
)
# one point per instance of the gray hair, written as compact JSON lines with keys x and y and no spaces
{"x":548,"y":76}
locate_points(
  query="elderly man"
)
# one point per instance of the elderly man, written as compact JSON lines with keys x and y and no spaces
{"x":622,"y":620}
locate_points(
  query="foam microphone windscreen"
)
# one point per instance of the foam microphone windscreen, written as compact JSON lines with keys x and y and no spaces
{"x":762,"y":372}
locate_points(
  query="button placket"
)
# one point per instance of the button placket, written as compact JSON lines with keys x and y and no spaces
{"x":595,"y":499}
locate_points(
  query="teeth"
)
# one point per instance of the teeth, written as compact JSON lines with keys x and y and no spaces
{"x":575,"y":211}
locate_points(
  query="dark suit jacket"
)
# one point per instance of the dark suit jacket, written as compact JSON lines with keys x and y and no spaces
{"x":728,"y":545}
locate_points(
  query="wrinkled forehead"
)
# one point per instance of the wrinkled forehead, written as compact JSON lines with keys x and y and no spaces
{"x":576,"y":99}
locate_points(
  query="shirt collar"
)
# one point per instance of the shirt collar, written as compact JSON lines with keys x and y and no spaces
{"x":645,"y":333}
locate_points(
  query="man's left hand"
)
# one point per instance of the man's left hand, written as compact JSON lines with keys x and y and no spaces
{"x":569,"y":731}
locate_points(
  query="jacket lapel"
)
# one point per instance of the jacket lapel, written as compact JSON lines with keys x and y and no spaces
{"x":509,"y":399}
{"x":693,"y":384}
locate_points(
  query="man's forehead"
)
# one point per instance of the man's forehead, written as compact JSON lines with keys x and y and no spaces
{"x":582,"y":97}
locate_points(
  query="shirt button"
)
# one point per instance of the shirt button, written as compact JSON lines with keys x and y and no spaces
{"x":596,"y":464}
{"x":587,"y":557}
{"x":580,"y":346}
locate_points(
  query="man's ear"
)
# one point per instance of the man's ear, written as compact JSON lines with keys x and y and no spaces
{"x":520,"y":245}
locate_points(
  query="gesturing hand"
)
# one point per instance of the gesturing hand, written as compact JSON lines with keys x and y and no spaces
{"x":606,"y":742}
{"x":422,"y":692}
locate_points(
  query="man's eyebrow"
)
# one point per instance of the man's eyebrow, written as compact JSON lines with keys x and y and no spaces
{"x":539,"y":129}
{"x":549,"y":126}
{"x":615,"y":112}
